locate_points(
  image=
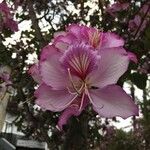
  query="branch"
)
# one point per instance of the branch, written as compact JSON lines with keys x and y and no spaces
{"x":100,"y":5}
{"x":35,"y":24}
{"x":142,"y":21}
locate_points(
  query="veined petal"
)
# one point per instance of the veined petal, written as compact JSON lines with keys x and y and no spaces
{"x":52,"y":73}
{"x":113,"y":63}
{"x":63,"y":42}
{"x":110,"y":40}
{"x":59,"y":33}
{"x":74,"y":109}
{"x":132,"y":57}
{"x":48,"y":51}
{"x":112,"y":101}
{"x":53,"y":100}
{"x":35,"y":73}
{"x":67,"y":114}
{"x":75,"y":29}
{"x":80,"y":59}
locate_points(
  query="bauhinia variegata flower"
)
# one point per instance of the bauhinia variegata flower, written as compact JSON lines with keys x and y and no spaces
{"x":81,"y":67}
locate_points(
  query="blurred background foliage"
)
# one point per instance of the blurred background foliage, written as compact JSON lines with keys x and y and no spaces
{"x":38,"y":21}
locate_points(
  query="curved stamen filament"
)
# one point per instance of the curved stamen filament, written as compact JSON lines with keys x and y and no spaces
{"x":60,"y":107}
{"x":70,"y":91}
{"x":82,"y":100}
{"x":90,"y":98}
{"x":78,"y":91}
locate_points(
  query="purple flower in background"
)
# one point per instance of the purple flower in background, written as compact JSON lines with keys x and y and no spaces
{"x":82,"y":67}
{"x":138,"y":23}
{"x":78,"y":33}
{"x":116,"y":7}
{"x":6,"y":18}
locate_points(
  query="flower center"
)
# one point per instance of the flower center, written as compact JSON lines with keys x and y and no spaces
{"x":80,"y":59}
{"x":94,"y":38}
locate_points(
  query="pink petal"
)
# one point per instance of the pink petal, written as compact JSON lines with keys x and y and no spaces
{"x":68,"y":113}
{"x":113,"y":63}
{"x":75,"y":29}
{"x":62,"y":46}
{"x":52,"y":73}
{"x":132,"y":57}
{"x":134,"y":23}
{"x":110,"y":40}
{"x":60,"y":33}
{"x":81,"y":32}
{"x":47,"y":52}
{"x":74,"y":109}
{"x":53,"y":100}
{"x":35,"y":73}
{"x":62,"y":42}
{"x":112,"y":101}
{"x":13,"y":25}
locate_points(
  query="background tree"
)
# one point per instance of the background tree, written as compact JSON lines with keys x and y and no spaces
{"x":38,"y":21}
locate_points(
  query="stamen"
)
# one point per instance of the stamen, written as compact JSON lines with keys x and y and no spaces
{"x":90,"y":98}
{"x":67,"y":103}
{"x":95,"y":37}
{"x":82,"y":100}
{"x":70,"y":77}
{"x":70,"y":91}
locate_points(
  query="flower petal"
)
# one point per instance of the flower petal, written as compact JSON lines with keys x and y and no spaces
{"x":113,"y":63}
{"x":110,"y":40}
{"x":67,"y":114}
{"x":47,"y":52}
{"x":53,"y":100}
{"x":52,"y":73}
{"x":132,"y":57}
{"x":75,"y":109}
{"x":63,"y":42}
{"x":34,"y":72}
{"x":112,"y":101}
{"x":75,"y":29}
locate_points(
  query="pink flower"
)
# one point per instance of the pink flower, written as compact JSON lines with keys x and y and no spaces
{"x":78,"y":70}
{"x":116,"y":7}
{"x":6,"y":18}
{"x":76,"y":33}
{"x":137,"y":24}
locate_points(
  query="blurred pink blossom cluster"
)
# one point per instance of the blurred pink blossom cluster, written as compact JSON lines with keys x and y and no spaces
{"x":140,"y":20}
{"x":80,"y":68}
{"x":145,"y":67}
{"x":6,"y":18}
{"x":116,"y":7}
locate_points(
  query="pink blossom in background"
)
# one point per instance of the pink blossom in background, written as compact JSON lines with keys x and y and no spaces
{"x":6,"y":18}
{"x":137,"y":24}
{"x":79,"y":33}
{"x":17,"y":3}
{"x":116,"y":7}
{"x":81,"y":67}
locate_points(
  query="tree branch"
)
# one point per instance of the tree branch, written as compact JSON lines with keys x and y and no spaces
{"x":35,"y":24}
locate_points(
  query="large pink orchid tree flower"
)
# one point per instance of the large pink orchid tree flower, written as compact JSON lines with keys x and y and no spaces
{"x":82,"y":67}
